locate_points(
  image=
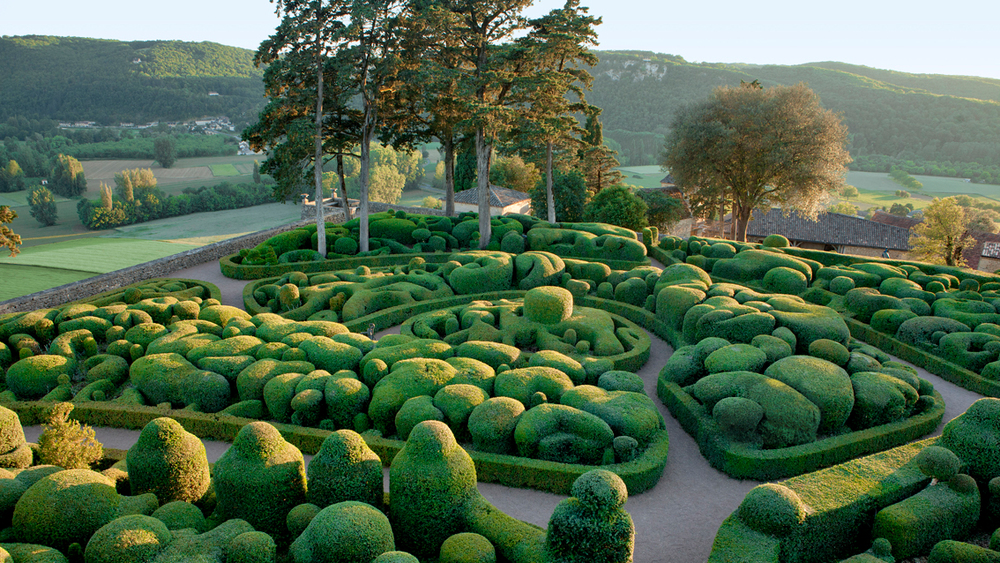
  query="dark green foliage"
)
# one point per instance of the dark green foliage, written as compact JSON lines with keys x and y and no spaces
{"x":592,"y":525}
{"x":789,"y":418}
{"x":889,"y":320}
{"x":971,"y":350}
{"x":632,"y":291}
{"x":878,"y":399}
{"x":951,"y":551}
{"x":536,"y":268}
{"x":492,"y":424}
{"x":522,"y":383}
{"x":617,"y":205}
{"x":130,"y":538}
{"x":807,"y":322}
{"x":736,"y":357}
{"x":738,"y":417}
{"x":752,"y":265}
{"x":169,"y":462}
{"x":399,"y":230}
{"x":841,"y":285}
{"x":627,"y":413}
{"x":343,"y":533}
{"x":467,"y":547}
{"x":32,"y":377}
{"x":43,"y":206}
{"x":185,"y":385}
{"x":301,"y":255}
{"x":830,"y":351}
{"x":260,"y":478}
{"x":772,"y":509}
{"x":70,"y":506}
{"x":775,"y":241}
{"x":975,"y":438}
{"x":431,"y":480}
{"x":937,"y":462}
{"x":937,"y":513}
{"x":252,"y":547}
{"x":825,"y":384}
{"x":549,"y":305}
{"x":865,"y":302}
{"x":785,"y":280}
{"x":562,"y":433}
{"x":919,"y":331}
{"x":178,"y":515}
{"x":482,"y":271}
{"x":66,"y":177}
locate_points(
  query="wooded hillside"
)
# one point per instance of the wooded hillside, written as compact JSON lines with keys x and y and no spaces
{"x":925,"y":117}
{"x":72,"y":78}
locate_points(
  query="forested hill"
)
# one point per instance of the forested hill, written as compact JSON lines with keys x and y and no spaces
{"x":926,"y":117}
{"x":74,"y":79}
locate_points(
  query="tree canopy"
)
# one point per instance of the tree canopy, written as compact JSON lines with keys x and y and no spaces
{"x":943,"y":234}
{"x":8,"y":239}
{"x":759,"y":147}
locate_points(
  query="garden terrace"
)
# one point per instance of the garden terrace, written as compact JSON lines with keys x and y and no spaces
{"x":208,"y":338}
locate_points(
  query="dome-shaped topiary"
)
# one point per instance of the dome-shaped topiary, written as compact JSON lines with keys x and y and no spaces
{"x":548,"y":305}
{"x":299,"y":518}
{"x":467,"y":547}
{"x":178,"y":515}
{"x":592,"y":526}
{"x":260,"y":478}
{"x":738,"y":416}
{"x":431,"y":481}
{"x":492,"y":424}
{"x":937,"y":462}
{"x":169,"y":462}
{"x":68,"y":506}
{"x":833,"y":352}
{"x":345,"y":532}
{"x":841,"y":285}
{"x":345,"y":468}
{"x":130,"y":539}
{"x":785,"y":280}
{"x":14,"y":451}
{"x":775,"y":241}
{"x":772,"y":509}
{"x":252,"y":547}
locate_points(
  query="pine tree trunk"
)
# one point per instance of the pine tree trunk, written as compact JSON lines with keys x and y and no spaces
{"x":318,"y":163}
{"x":549,"y":198}
{"x":449,"y":175}
{"x":483,"y":185}
{"x":343,"y":187}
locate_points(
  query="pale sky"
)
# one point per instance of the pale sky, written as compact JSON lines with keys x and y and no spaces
{"x":958,"y":37}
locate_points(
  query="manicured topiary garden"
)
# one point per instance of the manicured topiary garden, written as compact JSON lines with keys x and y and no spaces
{"x":514,"y":365}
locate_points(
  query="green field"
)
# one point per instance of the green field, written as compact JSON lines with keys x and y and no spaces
{"x":60,"y":255}
{"x":224,"y":170}
{"x":934,"y":186}
{"x":643,"y":176}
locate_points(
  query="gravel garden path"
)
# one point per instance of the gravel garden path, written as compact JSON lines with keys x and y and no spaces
{"x":675,"y":522}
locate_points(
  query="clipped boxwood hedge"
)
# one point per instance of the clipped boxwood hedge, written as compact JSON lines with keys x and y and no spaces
{"x":639,"y":475}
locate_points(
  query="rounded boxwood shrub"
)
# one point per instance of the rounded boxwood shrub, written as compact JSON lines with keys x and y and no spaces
{"x":252,"y":547}
{"x":260,"y":478}
{"x":431,"y":480}
{"x":841,"y":285}
{"x":833,"y":352}
{"x":549,"y":305}
{"x":345,"y":532}
{"x":937,"y":462}
{"x":467,"y":547}
{"x":69,"y":506}
{"x":592,"y":525}
{"x":785,"y":280}
{"x":775,"y":241}
{"x":169,"y":462}
{"x":889,"y":320}
{"x":825,"y":384}
{"x":345,"y":468}
{"x":736,"y":357}
{"x":130,"y":538}
{"x":975,"y":438}
{"x":492,"y":424}
{"x":772,"y":509}
{"x":178,"y":515}
{"x":737,"y":416}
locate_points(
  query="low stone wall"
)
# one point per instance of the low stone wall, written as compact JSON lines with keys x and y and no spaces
{"x":155,"y":269}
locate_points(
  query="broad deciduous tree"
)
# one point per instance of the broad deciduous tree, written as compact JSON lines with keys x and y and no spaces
{"x":943,"y":234}
{"x":43,"y":205}
{"x":763,"y":147}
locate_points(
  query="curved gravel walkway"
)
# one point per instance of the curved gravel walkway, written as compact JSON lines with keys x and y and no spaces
{"x":676,"y":521}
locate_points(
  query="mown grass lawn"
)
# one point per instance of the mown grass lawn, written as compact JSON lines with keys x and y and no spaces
{"x":224,"y":170}
{"x":61,"y":255}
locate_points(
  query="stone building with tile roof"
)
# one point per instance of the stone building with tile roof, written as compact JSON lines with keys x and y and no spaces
{"x":502,"y":201}
{"x":834,"y":232}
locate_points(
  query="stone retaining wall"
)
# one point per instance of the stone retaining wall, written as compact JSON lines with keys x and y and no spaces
{"x":155,"y":269}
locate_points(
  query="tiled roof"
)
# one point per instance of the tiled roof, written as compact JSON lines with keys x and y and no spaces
{"x":906,"y":222}
{"x":830,"y":228}
{"x":991,"y":250}
{"x":985,"y":245}
{"x":499,"y":197}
